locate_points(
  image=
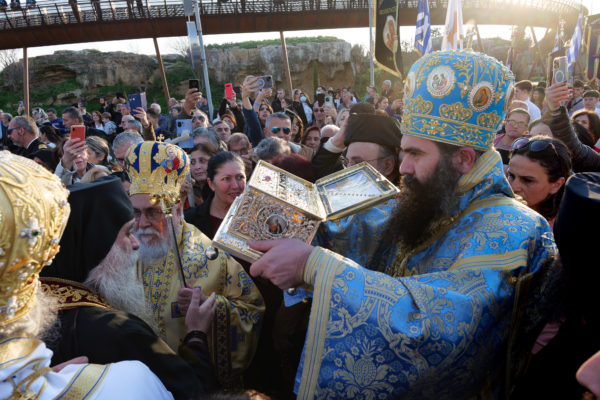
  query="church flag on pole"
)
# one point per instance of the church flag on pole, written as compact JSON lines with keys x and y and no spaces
{"x":556,"y":41}
{"x":575,"y":42}
{"x":423,"y":33}
{"x":453,"y":30}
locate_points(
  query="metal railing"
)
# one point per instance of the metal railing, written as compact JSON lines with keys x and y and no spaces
{"x":73,"y":12}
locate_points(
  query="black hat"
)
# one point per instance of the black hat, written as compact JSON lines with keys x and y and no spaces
{"x":580,"y":208}
{"x":379,"y":129}
{"x":98,"y":212}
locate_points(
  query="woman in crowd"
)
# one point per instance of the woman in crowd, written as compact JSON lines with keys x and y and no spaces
{"x":342,"y":116}
{"x":199,"y":156}
{"x":297,"y":128}
{"x":226,"y":177}
{"x":50,"y":136}
{"x":516,"y":125}
{"x":307,"y":106}
{"x":39,"y":116}
{"x":97,"y":150}
{"x":537,"y":171}
{"x":263,"y":113}
{"x":312,"y":137}
{"x":97,"y":118}
{"x":382,"y":103}
{"x":94,"y":173}
{"x":590,"y":121}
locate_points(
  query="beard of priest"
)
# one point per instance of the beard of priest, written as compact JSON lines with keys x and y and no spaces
{"x":115,"y":278}
{"x":157,"y":171}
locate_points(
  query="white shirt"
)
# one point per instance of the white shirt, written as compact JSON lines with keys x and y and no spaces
{"x":534,"y":111}
{"x":121,"y":380}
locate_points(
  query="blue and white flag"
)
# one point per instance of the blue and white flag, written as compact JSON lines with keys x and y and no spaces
{"x":556,"y":41}
{"x":575,"y":41}
{"x":423,"y":34}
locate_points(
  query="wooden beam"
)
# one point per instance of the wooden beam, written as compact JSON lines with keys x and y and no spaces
{"x":537,"y":47}
{"x":286,"y":65}
{"x":26,"y":82}
{"x":162,"y":70}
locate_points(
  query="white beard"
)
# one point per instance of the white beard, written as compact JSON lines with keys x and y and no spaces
{"x":115,"y":279}
{"x":150,"y":253}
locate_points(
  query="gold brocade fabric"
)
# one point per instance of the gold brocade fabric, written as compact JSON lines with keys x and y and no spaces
{"x":239,"y":305}
{"x":71,"y":294}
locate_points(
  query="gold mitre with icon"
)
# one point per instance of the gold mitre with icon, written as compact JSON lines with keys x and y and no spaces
{"x":158,"y":169}
{"x":33,"y":214}
{"x":277,"y":204}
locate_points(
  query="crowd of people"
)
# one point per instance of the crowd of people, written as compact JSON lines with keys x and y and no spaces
{"x":454,"y":288}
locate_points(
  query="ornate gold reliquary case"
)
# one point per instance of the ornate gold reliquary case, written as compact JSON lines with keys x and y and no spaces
{"x":277,"y":204}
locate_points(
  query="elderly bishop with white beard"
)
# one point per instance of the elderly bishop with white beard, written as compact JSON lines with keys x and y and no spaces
{"x":102,"y":309}
{"x":172,"y":256}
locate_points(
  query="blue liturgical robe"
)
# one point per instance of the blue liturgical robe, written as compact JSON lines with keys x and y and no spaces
{"x":440,"y":321}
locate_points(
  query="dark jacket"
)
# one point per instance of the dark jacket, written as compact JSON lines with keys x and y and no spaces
{"x":326,"y":162}
{"x":240,"y":124}
{"x":33,"y":147}
{"x":584,"y":158}
{"x":199,"y":216}
{"x":106,"y":336}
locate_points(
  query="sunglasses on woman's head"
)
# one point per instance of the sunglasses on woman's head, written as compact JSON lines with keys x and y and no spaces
{"x":534,"y":145}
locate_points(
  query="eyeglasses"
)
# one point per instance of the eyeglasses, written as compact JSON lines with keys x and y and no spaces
{"x":516,"y":124}
{"x":317,"y":109}
{"x":9,"y":130}
{"x":276,"y":130}
{"x":350,"y":162}
{"x":151,"y":214}
{"x":200,"y":118}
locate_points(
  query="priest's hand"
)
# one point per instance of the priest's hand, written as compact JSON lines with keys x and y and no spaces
{"x":200,"y":314}
{"x":283,"y":262}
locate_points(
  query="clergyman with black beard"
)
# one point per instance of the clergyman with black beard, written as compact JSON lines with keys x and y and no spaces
{"x":108,"y":319}
{"x":423,"y":204}
{"x":448,"y":318}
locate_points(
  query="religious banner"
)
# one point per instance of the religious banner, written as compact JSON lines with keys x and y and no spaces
{"x":388,"y":54}
{"x":593,"y":48}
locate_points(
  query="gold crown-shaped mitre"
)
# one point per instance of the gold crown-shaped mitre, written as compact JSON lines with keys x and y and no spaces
{"x":158,"y":169}
{"x":33,"y":215}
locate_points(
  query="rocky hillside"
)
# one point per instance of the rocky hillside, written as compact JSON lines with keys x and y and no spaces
{"x":68,"y":76}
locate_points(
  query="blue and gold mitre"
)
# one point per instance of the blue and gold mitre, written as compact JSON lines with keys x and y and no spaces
{"x":158,"y":169}
{"x":456,"y":97}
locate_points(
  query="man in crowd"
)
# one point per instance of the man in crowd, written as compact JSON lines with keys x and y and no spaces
{"x":24,"y":134}
{"x":441,"y":321}
{"x":56,"y":122}
{"x":591,"y":100}
{"x":34,"y":210}
{"x":318,"y":114}
{"x":72,"y":116}
{"x":576,"y":102}
{"x":223,"y":130}
{"x":346,"y":101}
{"x":523,"y":90}
{"x":277,"y":124}
{"x":276,"y":103}
{"x":122,"y":143}
{"x":386,"y":88}
{"x":170,"y":267}
{"x":103,"y":312}
{"x":238,"y":143}
{"x":163,"y":120}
